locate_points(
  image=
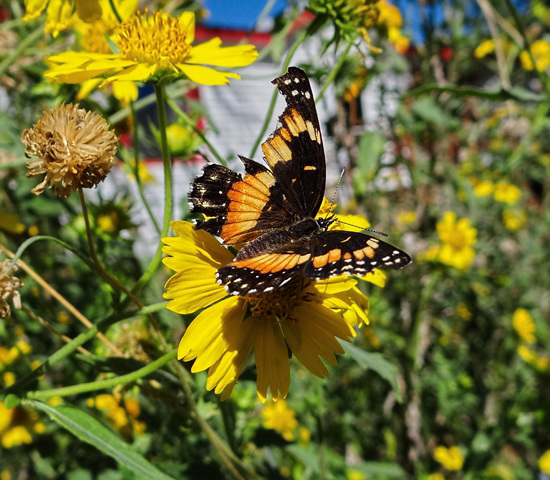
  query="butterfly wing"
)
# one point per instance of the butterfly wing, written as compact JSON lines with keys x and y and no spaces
{"x":239,"y":209}
{"x":294,"y":151}
{"x":337,"y":252}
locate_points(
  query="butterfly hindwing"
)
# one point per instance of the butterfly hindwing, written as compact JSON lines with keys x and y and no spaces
{"x":337,"y":252}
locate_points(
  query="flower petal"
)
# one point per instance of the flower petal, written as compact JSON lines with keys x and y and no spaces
{"x":207,"y":338}
{"x":192,"y":247}
{"x":212,"y":53}
{"x":193,"y":288}
{"x":313,"y":334}
{"x":206,"y":75}
{"x":272,"y":363}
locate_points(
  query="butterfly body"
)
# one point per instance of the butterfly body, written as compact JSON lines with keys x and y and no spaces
{"x":273,"y":208}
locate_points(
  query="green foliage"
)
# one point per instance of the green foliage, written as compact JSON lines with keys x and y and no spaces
{"x":456,"y":351}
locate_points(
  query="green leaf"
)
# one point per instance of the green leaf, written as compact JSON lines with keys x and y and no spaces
{"x":89,"y":430}
{"x":428,"y":110}
{"x":501,"y":95}
{"x":379,"y":470}
{"x":375,"y":361}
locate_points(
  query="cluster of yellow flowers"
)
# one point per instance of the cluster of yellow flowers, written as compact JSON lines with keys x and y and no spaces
{"x":525,"y":328}
{"x":123,"y":412}
{"x":540,"y":49}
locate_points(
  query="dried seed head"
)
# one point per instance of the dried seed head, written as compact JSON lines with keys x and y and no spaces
{"x":8,"y":289}
{"x":75,"y":149}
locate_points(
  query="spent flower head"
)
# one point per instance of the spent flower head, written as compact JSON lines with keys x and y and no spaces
{"x":150,"y":46}
{"x":304,"y":317}
{"x":9,"y":285}
{"x":74,"y":148}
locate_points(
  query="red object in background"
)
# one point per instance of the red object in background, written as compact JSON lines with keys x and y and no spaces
{"x":446,"y":53}
{"x":4,"y":14}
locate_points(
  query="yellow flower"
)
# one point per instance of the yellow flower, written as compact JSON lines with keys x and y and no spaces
{"x":278,"y":416}
{"x":524,"y":325}
{"x":507,"y":193}
{"x":533,"y":358}
{"x":514,"y":219}
{"x":59,"y":12}
{"x":9,"y":285}
{"x":463,"y":311}
{"x":75,"y":149}
{"x":9,"y":378}
{"x":458,"y":238}
{"x":16,"y":425}
{"x":451,"y":458}
{"x":122,"y":412}
{"x":93,"y":39}
{"x":150,"y":44}
{"x":484,"y":48}
{"x":10,"y":222}
{"x":303,"y":316}
{"x":541,"y":52}
{"x":389,"y":15}
{"x":484,"y":188}
{"x":544,"y":462}
{"x":406,"y":218}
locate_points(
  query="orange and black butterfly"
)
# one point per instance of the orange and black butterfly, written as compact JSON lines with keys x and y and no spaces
{"x":273,"y":208}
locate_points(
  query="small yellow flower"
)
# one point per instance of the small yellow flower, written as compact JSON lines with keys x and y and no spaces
{"x":457,"y":237}
{"x":514,"y":219}
{"x":75,"y":149}
{"x":9,"y":285}
{"x":278,"y":416}
{"x":451,"y":458}
{"x":303,"y":317}
{"x":16,"y":425}
{"x":9,"y":378}
{"x":484,"y":188}
{"x":10,"y":222}
{"x":524,"y":325}
{"x":541,"y":52}
{"x":507,"y":193}
{"x":544,"y":462}
{"x":354,"y":475}
{"x":463,"y":311}
{"x":150,"y":44}
{"x":484,"y":48}
{"x":406,"y":218}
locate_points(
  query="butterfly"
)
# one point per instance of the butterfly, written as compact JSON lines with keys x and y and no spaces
{"x":272,"y":208}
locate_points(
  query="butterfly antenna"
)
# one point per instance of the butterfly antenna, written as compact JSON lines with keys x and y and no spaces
{"x":364,"y":229}
{"x":335,"y":192}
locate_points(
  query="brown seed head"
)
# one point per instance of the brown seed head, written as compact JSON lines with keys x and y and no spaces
{"x":75,"y":149}
{"x":8,"y":290}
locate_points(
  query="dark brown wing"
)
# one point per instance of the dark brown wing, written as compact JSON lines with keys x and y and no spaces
{"x":295,"y":150}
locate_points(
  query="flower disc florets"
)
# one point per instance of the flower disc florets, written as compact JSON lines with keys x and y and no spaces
{"x":156,"y":39}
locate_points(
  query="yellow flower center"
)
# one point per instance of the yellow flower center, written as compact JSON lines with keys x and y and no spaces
{"x":278,"y":304}
{"x":156,"y":39}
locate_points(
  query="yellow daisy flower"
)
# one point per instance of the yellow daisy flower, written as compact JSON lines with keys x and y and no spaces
{"x":278,"y":416}
{"x":150,"y":44}
{"x":304,"y":317}
{"x":507,"y":193}
{"x":457,"y":236}
{"x":524,"y":325}
{"x":451,"y":458}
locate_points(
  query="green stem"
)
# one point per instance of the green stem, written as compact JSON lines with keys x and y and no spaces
{"x":30,"y":39}
{"x":303,"y":35}
{"x":168,"y":201}
{"x":135,"y":142}
{"x":334,"y":72}
{"x":181,"y":114}
{"x":115,"y":11}
{"x":78,"y":341}
{"x":102,"y":384}
{"x":31,"y":240}
{"x":521,"y":29}
{"x":112,"y":280}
